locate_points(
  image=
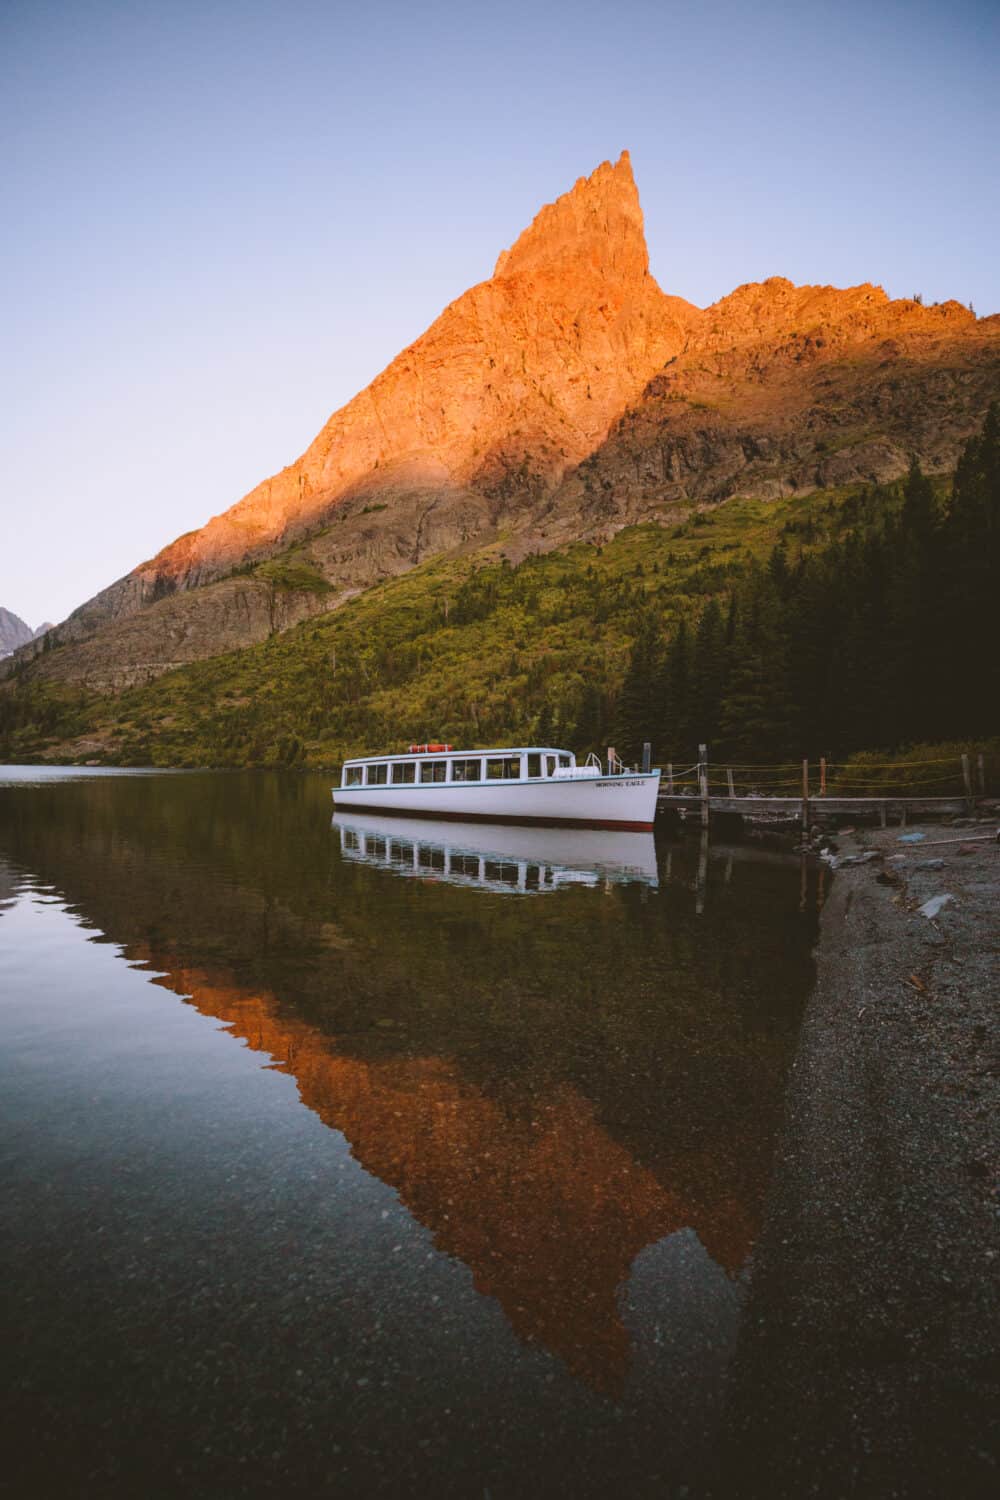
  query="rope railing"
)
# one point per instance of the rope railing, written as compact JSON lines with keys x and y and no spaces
{"x":751,"y":787}
{"x":920,"y":781}
{"x":804,"y":782}
{"x":892,"y":765}
{"x":831,"y":765}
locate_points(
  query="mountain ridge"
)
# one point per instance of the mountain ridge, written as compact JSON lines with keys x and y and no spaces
{"x":564,"y":397}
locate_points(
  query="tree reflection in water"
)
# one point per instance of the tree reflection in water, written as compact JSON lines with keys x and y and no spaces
{"x":554,"y":1088}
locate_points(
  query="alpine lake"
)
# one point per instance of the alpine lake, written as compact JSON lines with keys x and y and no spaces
{"x":347,"y":1159}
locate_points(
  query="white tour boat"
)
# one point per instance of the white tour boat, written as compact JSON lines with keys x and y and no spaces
{"x":534,"y":784}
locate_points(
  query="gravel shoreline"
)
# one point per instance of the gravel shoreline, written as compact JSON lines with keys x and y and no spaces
{"x":868,"y":1361}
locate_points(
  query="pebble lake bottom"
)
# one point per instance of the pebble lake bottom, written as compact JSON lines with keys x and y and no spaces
{"x":334,"y":1165}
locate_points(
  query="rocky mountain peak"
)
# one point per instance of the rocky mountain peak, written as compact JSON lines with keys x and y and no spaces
{"x":562,"y":398}
{"x":15,"y":633}
{"x":598,"y":224}
{"x":518,"y":379}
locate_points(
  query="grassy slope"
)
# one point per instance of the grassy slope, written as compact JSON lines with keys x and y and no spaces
{"x":465,"y":649}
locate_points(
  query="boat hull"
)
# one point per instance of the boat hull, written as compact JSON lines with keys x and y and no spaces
{"x":626,"y":802}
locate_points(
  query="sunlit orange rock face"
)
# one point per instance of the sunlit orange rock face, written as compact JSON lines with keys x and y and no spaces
{"x":785,"y":389}
{"x":531,"y":366}
{"x":523,"y":376}
{"x":564,"y":398}
{"x":546,"y":1209}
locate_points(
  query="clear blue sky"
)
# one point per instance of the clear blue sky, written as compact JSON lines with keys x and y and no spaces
{"x":223,"y":217}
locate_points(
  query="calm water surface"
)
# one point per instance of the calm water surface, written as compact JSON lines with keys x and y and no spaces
{"x":346,"y":1159}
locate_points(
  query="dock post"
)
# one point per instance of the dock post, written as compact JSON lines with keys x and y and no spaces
{"x":703,"y":782}
{"x":981,"y":774}
{"x":702,"y":879}
{"x":822,"y":775}
{"x":967,"y":778}
{"x":647,"y":757}
{"x":729,"y":778}
{"x":805,"y":797}
{"x":670,"y":778}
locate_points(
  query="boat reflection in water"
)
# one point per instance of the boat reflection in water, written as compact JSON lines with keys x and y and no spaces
{"x":508,"y":858}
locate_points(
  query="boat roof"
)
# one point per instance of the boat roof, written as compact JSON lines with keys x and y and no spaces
{"x":356,"y":760}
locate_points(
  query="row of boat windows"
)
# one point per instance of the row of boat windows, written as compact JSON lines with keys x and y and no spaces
{"x":497,"y":768}
{"x":451,"y":862}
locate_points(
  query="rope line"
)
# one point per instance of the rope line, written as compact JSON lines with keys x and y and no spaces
{"x":831,"y":765}
{"x":844,"y":779}
{"x":919,"y":781}
{"x":847,"y":787}
{"x":784,"y":794}
{"x":892,"y":765}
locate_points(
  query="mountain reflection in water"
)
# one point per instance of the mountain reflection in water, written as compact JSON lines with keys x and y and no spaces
{"x":551,"y":1087}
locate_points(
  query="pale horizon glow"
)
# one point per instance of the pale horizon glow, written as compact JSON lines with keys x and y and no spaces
{"x":224,"y":219}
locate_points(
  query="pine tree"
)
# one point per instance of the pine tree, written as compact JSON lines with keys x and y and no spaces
{"x":634,"y":720}
{"x":592,"y":718}
{"x":910,"y":653}
{"x":674,"y":698}
{"x":708,"y":673}
{"x":969,"y":604}
{"x":756,"y":718}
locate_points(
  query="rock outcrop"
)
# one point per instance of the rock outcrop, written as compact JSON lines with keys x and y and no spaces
{"x":786,"y":390}
{"x":14,"y":633}
{"x":565,"y":397}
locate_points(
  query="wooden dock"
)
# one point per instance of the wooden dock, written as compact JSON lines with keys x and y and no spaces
{"x":795,"y":797}
{"x":809,"y":810}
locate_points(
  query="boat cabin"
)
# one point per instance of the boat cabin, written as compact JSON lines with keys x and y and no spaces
{"x":425,"y":766}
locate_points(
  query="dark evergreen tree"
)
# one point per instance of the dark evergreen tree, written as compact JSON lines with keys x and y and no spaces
{"x":811,"y":615}
{"x":969,"y":602}
{"x":635,"y":716}
{"x":709,"y":673}
{"x":592,"y":719}
{"x":756,"y":718}
{"x":674,"y":708}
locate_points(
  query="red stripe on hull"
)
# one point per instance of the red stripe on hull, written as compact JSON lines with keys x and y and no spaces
{"x":458,"y":817}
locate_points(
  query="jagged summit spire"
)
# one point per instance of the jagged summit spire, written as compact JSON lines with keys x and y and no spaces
{"x":599,"y":220}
